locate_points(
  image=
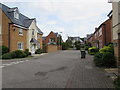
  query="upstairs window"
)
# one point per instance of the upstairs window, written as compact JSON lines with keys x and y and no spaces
{"x":16,"y":15}
{"x":33,"y":32}
{"x":20,"y":31}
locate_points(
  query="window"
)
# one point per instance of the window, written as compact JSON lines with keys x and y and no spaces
{"x":16,"y":15}
{"x":20,"y":46}
{"x":100,"y":31}
{"x":33,"y":32}
{"x":20,"y":31}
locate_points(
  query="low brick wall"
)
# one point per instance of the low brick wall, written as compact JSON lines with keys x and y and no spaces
{"x":51,"y":48}
{"x":59,"y":47}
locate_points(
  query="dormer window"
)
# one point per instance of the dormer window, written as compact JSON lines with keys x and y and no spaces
{"x":16,"y":15}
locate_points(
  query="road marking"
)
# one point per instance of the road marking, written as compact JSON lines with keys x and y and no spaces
{"x":13,"y":63}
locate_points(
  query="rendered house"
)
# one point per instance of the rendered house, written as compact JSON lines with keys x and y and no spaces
{"x":17,"y":30}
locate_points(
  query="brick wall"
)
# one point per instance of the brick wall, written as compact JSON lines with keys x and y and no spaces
{"x":51,"y":48}
{"x":15,"y":38}
{"x":5,"y":27}
{"x":40,"y":40}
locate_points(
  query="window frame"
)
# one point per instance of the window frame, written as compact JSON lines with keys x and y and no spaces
{"x":16,"y":15}
{"x":21,"y":47}
{"x":20,"y":31}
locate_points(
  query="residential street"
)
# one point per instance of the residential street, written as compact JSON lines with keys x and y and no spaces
{"x":63,"y":69}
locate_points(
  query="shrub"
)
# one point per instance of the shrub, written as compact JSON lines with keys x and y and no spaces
{"x":107,"y":49}
{"x":117,"y":83}
{"x":19,"y":54}
{"x":78,"y":47}
{"x":93,"y":50}
{"x":7,"y":56}
{"x":65,"y":46}
{"x":38,"y":51}
{"x":108,"y":59}
{"x":86,"y":47}
{"x":13,"y":54}
{"x":4,"y":49}
{"x":105,"y":59}
{"x":27,"y":52}
{"x":98,"y":59}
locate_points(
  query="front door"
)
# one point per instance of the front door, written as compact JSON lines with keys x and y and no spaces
{"x":33,"y":49}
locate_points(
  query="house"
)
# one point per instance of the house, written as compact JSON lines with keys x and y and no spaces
{"x":102,"y":35}
{"x":53,"y":39}
{"x":116,"y":30}
{"x":18,"y":32}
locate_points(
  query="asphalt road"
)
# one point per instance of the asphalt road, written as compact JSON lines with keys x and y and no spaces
{"x":48,"y":71}
{"x":63,"y":69}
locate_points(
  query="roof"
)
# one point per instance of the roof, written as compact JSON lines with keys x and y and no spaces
{"x":43,"y":38}
{"x":39,"y":31}
{"x":22,"y":21}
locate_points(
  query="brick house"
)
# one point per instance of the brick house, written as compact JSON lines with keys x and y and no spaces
{"x":102,"y":34}
{"x":15,"y":28}
{"x":53,"y":38}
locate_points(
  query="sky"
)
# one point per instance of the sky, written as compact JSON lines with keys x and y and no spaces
{"x":71,"y":17}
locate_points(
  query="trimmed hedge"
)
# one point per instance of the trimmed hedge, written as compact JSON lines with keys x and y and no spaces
{"x":7,"y":56}
{"x":14,"y":54}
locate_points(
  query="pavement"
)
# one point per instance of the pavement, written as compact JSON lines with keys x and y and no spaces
{"x":63,"y":69}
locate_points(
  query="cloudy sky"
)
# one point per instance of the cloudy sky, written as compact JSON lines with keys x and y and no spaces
{"x":71,"y":17}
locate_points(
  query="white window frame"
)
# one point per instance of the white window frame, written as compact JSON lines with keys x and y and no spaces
{"x":21,"y":47}
{"x":20,"y":31}
{"x":16,"y":15}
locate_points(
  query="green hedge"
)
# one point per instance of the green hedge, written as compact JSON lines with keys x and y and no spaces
{"x":14,"y":54}
{"x":93,"y":50}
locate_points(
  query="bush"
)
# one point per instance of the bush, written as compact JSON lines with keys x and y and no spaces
{"x":98,"y":59}
{"x":19,"y":54}
{"x":93,"y":50}
{"x":106,"y":59}
{"x":4,"y":49}
{"x":39,"y":51}
{"x":7,"y":56}
{"x":86,"y":47}
{"x":107,"y":49}
{"x":117,"y":82}
{"x":27,"y":52}
{"x":78,"y":47}
{"x":65,"y":46}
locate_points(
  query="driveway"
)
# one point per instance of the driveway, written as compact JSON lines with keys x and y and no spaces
{"x":63,"y":69}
